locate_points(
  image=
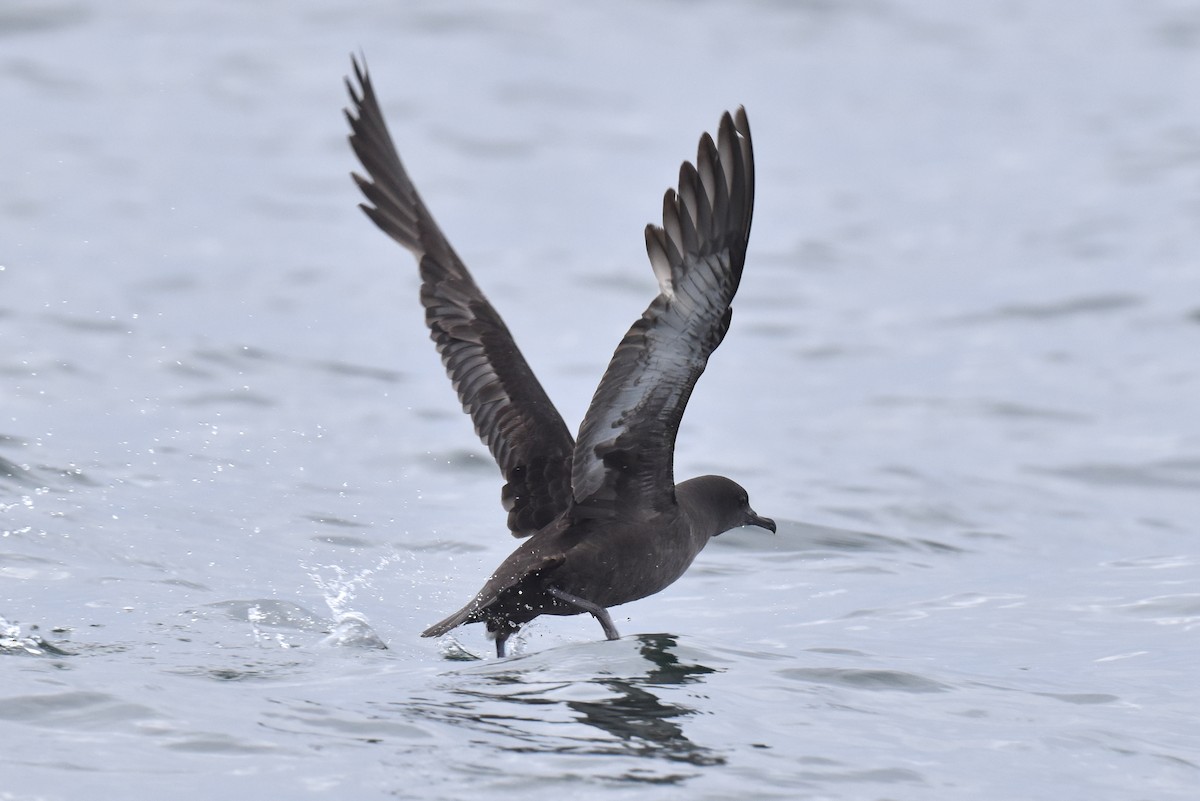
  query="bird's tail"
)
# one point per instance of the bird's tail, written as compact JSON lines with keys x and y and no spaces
{"x":465,"y":615}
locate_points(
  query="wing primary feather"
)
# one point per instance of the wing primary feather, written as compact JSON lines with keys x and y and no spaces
{"x":623,"y":461}
{"x":508,"y":406}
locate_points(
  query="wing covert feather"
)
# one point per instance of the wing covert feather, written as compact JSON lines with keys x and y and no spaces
{"x":511,"y":412}
{"x":624,"y":455}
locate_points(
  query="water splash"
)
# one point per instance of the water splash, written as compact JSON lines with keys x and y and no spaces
{"x":339,"y":589}
{"x":14,"y":641}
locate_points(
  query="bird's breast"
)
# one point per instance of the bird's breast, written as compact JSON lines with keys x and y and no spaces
{"x":614,"y":570}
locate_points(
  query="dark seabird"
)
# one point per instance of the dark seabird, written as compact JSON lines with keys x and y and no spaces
{"x":606,"y":522}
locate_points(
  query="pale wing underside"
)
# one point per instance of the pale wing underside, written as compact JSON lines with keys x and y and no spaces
{"x":623,"y":460}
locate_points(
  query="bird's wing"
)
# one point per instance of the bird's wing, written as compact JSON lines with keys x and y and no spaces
{"x":511,"y":412}
{"x":623,"y":457}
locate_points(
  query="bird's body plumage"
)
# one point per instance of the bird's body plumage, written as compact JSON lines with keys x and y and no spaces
{"x":606,"y":522}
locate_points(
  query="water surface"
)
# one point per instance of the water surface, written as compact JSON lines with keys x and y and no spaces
{"x":962,"y":375}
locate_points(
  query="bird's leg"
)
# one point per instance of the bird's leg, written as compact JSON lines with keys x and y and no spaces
{"x":597,"y":611}
{"x":501,"y":629}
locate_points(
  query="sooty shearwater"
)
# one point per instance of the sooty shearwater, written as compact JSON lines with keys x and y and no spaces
{"x":606,"y":522}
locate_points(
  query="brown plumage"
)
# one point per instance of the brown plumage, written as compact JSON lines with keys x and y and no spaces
{"x":606,"y":522}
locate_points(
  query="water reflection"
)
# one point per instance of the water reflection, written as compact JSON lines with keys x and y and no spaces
{"x":640,"y":720}
{"x":625,"y":706}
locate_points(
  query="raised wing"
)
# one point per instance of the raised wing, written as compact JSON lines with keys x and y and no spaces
{"x":627,"y":440}
{"x":511,"y":412}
